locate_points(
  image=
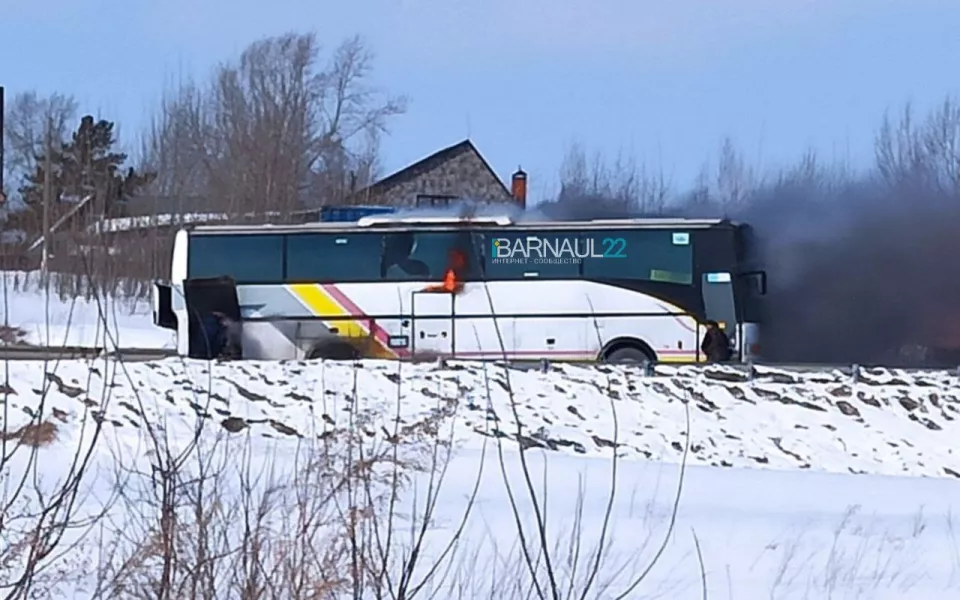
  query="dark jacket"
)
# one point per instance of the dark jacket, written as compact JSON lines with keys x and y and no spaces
{"x":716,"y":345}
{"x":212,"y":332}
{"x":232,"y":336}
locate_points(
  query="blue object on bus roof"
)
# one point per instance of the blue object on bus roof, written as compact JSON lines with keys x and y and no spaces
{"x":349,"y":214}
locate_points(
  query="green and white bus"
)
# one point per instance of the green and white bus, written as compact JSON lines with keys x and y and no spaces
{"x":625,"y":290}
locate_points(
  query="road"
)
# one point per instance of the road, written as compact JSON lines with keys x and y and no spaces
{"x":79,"y":352}
{"x":147,"y":354}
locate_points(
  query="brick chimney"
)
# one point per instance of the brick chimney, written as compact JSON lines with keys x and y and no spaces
{"x":518,"y":188}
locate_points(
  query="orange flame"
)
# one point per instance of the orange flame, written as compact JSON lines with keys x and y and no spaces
{"x":451,"y":282}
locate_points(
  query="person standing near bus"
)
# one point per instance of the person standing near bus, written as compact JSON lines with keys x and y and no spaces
{"x":716,"y":344}
{"x":232,"y":337}
{"x":211,"y":336}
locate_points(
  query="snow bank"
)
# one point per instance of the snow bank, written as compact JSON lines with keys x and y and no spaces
{"x":788,"y":526}
{"x":888,"y":423}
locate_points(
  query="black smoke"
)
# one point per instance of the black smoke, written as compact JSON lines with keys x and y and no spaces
{"x":862,"y":273}
{"x":861,"y":268}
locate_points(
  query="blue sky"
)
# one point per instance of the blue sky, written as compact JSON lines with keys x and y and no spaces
{"x":662,"y":81}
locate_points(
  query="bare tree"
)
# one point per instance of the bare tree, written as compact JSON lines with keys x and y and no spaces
{"x":273,"y":130}
{"x":922,"y":154}
{"x":941,"y":144}
{"x":898,"y":148}
{"x":174,"y":143}
{"x":591,"y":187}
{"x":25,"y":126}
{"x":699,"y":200}
{"x":735,"y":179}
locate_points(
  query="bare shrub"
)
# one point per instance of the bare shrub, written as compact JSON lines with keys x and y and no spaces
{"x":45,"y":512}
{"x":12,"y":335}
{"x":855,"y":557}
{"x":33,"y":435}
{"x":221,"y":515}
{"x":557,"y":567}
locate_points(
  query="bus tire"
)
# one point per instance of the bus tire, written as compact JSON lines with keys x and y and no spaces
{"x":629,"y":352}
{"x":333,"y":349}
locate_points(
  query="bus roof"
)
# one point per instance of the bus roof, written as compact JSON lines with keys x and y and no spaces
{"x":386,"y":222}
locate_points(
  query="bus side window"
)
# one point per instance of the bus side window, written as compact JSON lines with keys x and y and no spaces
{"x":397,"y":260}
{"x":649,"y":255}
{"x":333,"y":257}
{"x":425,"y":256}
{"x":245,"y":258}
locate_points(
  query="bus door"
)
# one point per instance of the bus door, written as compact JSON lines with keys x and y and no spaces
{"x":719,"y":306}
{"x":163,"y":315}
{"x":431,"y":324}
{"x":204,"y":298}
{"x":752,"y":286}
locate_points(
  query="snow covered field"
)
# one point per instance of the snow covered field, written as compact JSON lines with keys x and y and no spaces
{"x":46,"y":320}
{"x":184,"y":479}
{"x":229,"y":476}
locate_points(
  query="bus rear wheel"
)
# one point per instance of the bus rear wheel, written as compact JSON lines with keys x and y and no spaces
{"x":629,"y":355}
{"x":333,"y":349}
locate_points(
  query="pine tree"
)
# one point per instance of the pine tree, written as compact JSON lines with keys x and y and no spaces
{"x":86,"y":165}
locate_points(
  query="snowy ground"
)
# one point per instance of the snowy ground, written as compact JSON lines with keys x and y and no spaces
{"x":42,"y":319}
{"x":768,"y":496}
{"x":795,"y":485}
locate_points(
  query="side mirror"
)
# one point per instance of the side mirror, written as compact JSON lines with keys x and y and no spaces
{"x":760,"y":277}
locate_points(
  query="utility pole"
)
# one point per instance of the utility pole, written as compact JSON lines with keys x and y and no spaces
{"x":3,"y":110}
{"x":47,"y":197}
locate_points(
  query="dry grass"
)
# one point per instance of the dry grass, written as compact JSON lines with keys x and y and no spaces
{"x":34,"y":435}
{"x":10,"y":335}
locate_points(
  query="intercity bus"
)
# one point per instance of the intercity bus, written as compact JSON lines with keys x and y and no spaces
{"x":399,"y":287}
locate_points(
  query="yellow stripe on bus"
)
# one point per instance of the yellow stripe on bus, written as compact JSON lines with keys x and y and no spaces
{"x":681,"y":358}
{"x":321,"y":303}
